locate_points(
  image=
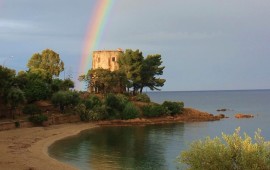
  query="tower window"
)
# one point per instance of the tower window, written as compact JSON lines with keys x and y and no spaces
{"x":113,"y":59}
{"x":98,"y":59}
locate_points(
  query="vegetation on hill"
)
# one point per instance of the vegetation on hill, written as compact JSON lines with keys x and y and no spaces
{"x":119,"y":106}
{"x":19,"y":93}
{"x":37,"y":83}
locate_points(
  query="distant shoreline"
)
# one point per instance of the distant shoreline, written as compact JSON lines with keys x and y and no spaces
{"x":208,"y":90}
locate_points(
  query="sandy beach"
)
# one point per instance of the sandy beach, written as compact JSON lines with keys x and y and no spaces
{"x":26,"y":148}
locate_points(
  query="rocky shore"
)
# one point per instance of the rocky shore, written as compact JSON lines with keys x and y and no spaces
{"x":188,"y":115}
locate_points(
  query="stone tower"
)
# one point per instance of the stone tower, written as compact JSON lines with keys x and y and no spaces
{"x":106,"y":59}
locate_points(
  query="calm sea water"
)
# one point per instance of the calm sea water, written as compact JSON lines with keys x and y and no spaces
{"x":157,"y":146}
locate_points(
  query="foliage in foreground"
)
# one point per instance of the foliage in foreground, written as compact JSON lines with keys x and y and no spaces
{"x":231,"y":152}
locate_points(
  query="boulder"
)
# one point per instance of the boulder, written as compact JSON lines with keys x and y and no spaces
{"x":241,"y":115}
{"x":221,"y":116}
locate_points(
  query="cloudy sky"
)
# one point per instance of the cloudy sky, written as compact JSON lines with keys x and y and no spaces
{"x":205,"y":45}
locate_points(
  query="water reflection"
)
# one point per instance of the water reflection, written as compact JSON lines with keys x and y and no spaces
{"x":134,"y":147}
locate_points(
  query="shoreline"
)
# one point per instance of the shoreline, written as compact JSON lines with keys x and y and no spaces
{"x":27,"y":148}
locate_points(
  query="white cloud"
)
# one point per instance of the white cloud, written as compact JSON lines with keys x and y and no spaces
{"x":15,"y":25}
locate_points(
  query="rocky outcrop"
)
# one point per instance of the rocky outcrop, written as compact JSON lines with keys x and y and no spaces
{"x":241,"y":115}
{"x":196,"y":115}
{"x":221,"y":116}
{"x":188,"y":115}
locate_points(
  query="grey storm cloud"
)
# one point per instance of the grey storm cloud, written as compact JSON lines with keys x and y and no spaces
{"x":204,"y":44}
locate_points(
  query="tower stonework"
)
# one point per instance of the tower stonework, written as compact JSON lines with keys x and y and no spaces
{"x":106,"y":59}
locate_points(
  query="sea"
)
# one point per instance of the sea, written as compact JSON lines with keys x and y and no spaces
{"x":158,"y":146}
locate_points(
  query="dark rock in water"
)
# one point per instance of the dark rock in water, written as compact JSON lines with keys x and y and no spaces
{"x":222,"y":110}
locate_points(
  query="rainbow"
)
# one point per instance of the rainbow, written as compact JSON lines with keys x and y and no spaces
{"x":95,"y":29}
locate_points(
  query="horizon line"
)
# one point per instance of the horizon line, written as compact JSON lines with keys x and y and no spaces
{"x":205,"y":90}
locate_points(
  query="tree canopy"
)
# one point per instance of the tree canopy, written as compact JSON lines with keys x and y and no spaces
{"x":150,"y":69}
{"x":131,"y":63}
{"x":39,"y":82}
{"x":104,"y":81}
{"x":48,"y":60}
{"x":142,"y":72}
{"x":6,"y":80}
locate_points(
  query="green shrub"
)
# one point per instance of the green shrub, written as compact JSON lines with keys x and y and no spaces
{"x":115,"y":105}
{"x":123,"y":100}
{"x":130,"y":111}
{"x":65,"y":98}
{"x":38,"y":119}
{"x":83,"y":112}
{"x":17,"y":124}
{"x":31,"y":109}
{"x":112,"y":101}
{"x":142,"y":98}
{"x":85,"y":116}
{"x":117,"y":102}
{"x":155,"y":110}
{"x":229,"y":152}
{"x":99,"y":113}
{"x":92,"y":102}
{"x":173,"y":107}
{"x":36,"y":90}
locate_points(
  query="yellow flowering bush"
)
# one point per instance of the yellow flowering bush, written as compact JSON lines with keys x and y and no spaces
{"x":231,"y":152}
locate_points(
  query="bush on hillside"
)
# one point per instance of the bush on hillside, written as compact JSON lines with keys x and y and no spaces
{"x":115,"y":105}
{"x":130,"y":111}
{"x":31,"y":109}
{"x":92,"y":101}
{"x":83,"y":112}
{"x":99,"y":113}
{"x":123,"y":100}
{"x":173,"y":107}
{"x":38,"y":119}
{"x":229,"y":152}
{"x":155,"y":110}
{"x":65,"y":99}
{"x":142,"y":98}
{"x":112,"y":101}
